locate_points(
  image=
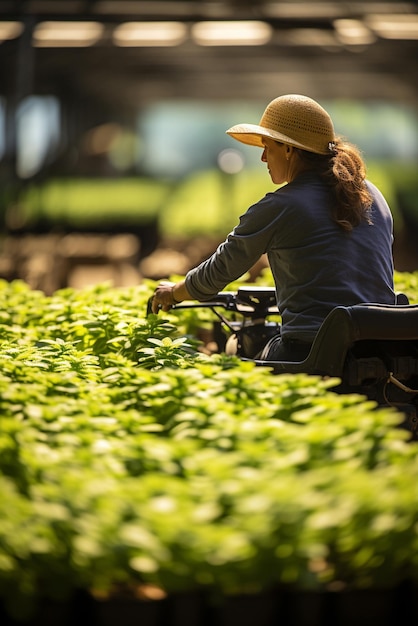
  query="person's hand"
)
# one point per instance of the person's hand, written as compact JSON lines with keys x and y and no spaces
{"x":163,"y":298}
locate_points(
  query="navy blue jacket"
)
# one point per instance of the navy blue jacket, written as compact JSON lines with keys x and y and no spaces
{"x":315,"y":264}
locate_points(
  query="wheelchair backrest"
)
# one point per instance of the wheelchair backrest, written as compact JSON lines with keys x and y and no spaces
{"x":346,"y":325}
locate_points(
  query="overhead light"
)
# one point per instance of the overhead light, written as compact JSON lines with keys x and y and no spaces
{"x":67,"y":34}
{"x":394,"y":26}
{"x":10,"y":30}
{"x":150,"y":34}
{"x":240,"y":33}
{"x":353,"y":32}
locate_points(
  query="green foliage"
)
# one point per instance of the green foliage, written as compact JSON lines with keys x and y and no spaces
{"x":179,"y":205}
{"x":129,"y":458}
{"x":219,"y":197}
{"x":407,"y":283}
{"x":85,"y":201}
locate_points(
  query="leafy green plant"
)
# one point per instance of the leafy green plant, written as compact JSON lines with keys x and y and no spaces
{"x":166,"y":353}
{"x":128,"y":458}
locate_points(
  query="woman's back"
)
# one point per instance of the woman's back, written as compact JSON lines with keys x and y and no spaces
{"x":317,"y":265}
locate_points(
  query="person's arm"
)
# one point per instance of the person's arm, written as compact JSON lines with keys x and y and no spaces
{"x":235,"y":256}
{"x":168,"y":294}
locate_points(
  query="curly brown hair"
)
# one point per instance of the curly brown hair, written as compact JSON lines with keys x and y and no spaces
{"x":345,"y":172}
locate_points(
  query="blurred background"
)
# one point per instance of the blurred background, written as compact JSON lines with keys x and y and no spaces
{"x":114,"y":162}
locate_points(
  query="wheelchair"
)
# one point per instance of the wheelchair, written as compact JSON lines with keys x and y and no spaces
{"x":372,"y":349}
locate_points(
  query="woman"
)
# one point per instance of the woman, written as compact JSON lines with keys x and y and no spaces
{"x":328,"y":232}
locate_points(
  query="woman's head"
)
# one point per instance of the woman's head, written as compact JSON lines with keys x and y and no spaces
{"x":297,"y":134}
{"x":292,"y":119}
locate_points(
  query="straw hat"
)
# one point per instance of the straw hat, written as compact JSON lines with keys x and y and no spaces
{"x":295,"y":120}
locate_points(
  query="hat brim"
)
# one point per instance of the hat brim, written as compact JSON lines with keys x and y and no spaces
{"x":252,"y":135}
